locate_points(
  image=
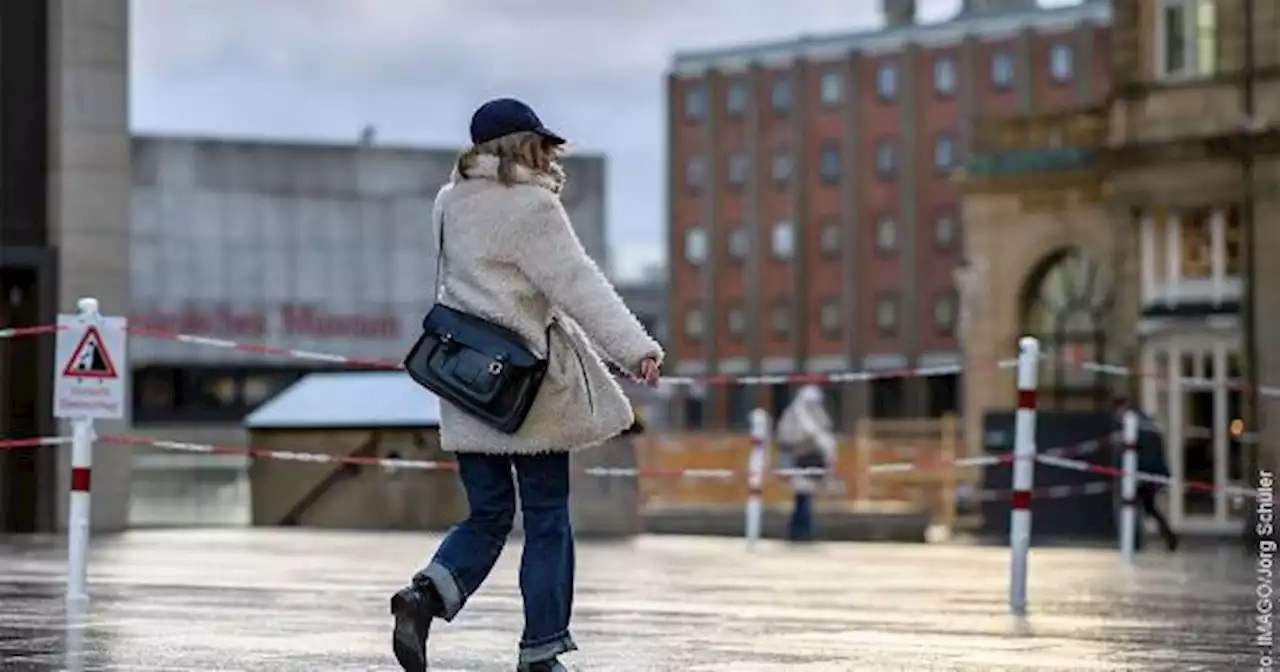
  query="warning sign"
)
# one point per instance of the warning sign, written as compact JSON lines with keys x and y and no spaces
{"x":90,"y":359}
{"x":92,"y":367}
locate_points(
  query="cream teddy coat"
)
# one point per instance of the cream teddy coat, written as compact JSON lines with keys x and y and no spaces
{"x":511,"y":256}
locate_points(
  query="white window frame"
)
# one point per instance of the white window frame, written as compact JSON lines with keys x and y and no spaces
{"x":944,"y":223}
{"x":739,"y":243}
{"x":695,"y":323}
{"x":944,"y":75}
{"x":695,"y":172}
{"x":829,"y":238}
{"x":1195,"y":66}
{"x":781,"y":168}
{"x":831,"y":88}
{"x":738,"y":169}
{"x":886,"y":156}
{"x":999,"y":59}
{"x":737,"y":321}
{"x":944,"y":140}
{"x":781,"y":97}
{"x":889,"y":304}
{"x":829,"y":317}
{"x":783,"y":240}
{"x":827,"y":150}
{"x":1062,"y":66}
{"x":695,"y":102}
{"x":735,"y":99}
{"x":695,"y":245}
{"x":887,"y":80}
{"x":889,"y":224}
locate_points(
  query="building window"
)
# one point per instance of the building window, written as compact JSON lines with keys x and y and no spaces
{"x":695,"y":245}
{"x":739,"y":243}
{"x":887,"y":314}
{"x":736,"y":321}
{"x":1061,"y":62}
{"x":781,"y":319}
{"x":738,"y":166}
{"x":944,"y":314}
{"x":784,"y":240}
{"x":886,"y":234}
{"x":781,"y":95}
{"x":886,"y":157}
{"x":735,"y":101}
{"x":695,"y":102}
{"x":830,"y":88}
{"x":944,"y":151}
{"x":1186,"y":38}
{"x":887,"y":81}
{"x":1196,"y":244}
{"x":694,"y":325}
{"x":781,"y":166}
{"x":206,"y":394}
{"x":829,"y":318}
{"x":1002,"y":69}
{"x":944,"y":75}
{"x":829,"y":162}
{"x":829,"y":237}
{"x":944,"y":232}
{"x":695,"y":172}
{"x":1069,"y":305}
{"x":738,"y":401}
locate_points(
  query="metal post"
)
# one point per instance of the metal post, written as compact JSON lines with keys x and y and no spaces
{"x":82,"y":437}
{"x":755,"y":474}
{"x":1024,"y":454}
{"x":1129,"y":486}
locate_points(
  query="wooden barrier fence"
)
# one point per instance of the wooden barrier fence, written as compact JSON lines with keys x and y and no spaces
{"x":929,"y":444}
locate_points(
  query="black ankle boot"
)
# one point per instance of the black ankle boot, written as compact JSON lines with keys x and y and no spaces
{"x":414,"y":607}
{"x":552,"y":665}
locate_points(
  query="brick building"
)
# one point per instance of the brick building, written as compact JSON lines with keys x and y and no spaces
{"x":1135,"y":232}
{"x":814,"y":225}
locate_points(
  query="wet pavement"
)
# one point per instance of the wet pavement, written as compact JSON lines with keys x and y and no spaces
{"x":267,"y":600}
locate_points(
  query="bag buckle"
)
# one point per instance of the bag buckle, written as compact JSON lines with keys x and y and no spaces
{"x":495,"y":368}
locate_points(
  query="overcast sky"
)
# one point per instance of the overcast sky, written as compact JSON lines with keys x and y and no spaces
{"x":416,"y":69}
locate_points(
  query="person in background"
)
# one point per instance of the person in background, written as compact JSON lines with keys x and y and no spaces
{"x":806,"y":442}
{"x":1151,"y":460}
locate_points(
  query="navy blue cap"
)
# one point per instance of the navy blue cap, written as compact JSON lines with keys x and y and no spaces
{"x":505,"y":116}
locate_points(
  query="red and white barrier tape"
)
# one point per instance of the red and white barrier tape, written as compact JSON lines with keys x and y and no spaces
{"x":36,"y":442}
{"x":1047,"y":492}
{"x":715,"y":380}
{"x":1199,"y":486}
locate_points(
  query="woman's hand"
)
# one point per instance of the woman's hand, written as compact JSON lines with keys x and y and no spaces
{"x":649,"y":371}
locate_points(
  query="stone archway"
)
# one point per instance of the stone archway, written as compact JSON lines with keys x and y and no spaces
{"x":1067,"y":303}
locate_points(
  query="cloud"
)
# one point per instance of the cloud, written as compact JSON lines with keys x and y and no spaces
{"x":416,"y":69}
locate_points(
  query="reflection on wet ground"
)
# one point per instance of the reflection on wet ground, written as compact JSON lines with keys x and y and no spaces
{"x":265,"y":600}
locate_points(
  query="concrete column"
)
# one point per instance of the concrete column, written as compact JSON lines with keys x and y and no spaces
{"x":1024,"y":73}
{"x":799,"y":187}
{"x":755,"y":225}
{"x":90,"y":196}
{"x":712,"y":192}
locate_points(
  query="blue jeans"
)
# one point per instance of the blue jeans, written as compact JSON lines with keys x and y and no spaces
{"x":471,"y":548}
{"x":802,"y":518}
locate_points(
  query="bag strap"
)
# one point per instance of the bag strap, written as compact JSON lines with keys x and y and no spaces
{"x":440,"y":259}
{"x":440,"y":280}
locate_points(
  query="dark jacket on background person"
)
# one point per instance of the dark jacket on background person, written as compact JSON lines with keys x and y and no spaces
{"x":1150,"y":447}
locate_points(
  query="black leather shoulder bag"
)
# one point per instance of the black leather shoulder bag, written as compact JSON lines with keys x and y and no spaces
{"x":485,"y":369}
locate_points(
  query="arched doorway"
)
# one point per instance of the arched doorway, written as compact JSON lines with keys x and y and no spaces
{"x":1066,"y":304}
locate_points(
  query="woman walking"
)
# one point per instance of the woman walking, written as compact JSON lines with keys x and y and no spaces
{"x":805,"y":438}
{"x":513,"y":259}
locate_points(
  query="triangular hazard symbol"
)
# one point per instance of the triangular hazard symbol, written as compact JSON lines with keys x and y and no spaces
{"x":90,"y":359}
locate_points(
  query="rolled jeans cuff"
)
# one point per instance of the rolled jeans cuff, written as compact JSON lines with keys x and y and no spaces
{"x":546,"y":649}
{"x":446,"y":586}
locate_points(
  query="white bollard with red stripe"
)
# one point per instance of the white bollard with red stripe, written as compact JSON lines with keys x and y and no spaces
{"x":1129,"y":486}
{"x":78,"y":510}
{"x":1024,"y":454}
{"x":81,"y":482}
{"x":756,"y":465}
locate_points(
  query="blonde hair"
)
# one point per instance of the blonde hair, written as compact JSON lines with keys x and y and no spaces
{"x":526,"y":149}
